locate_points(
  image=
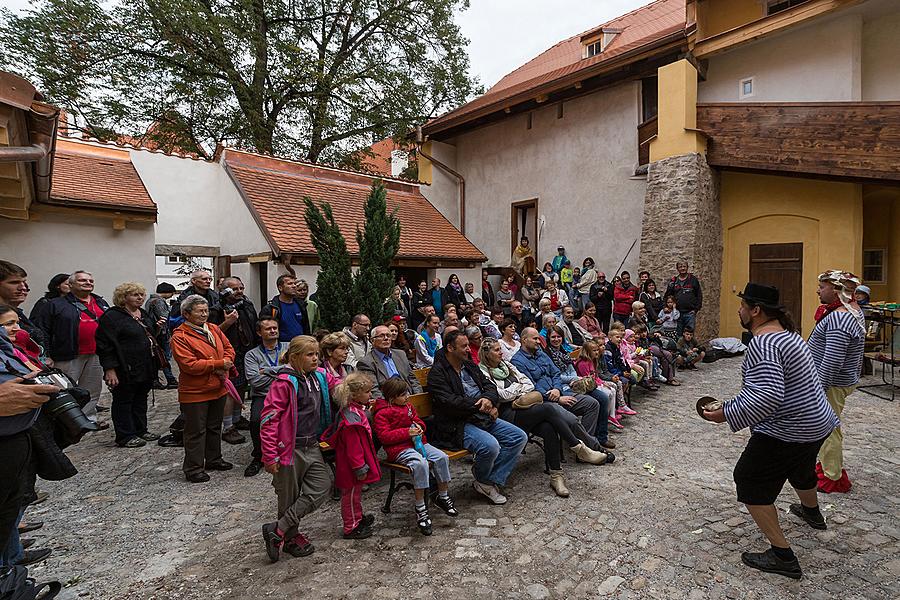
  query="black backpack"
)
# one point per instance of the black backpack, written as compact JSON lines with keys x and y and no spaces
{"x":15,"y":584}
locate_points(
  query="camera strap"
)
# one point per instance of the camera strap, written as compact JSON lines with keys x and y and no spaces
{"x":84,"y":309}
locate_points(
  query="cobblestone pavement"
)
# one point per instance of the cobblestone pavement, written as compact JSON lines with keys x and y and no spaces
{"x":662,"y":522}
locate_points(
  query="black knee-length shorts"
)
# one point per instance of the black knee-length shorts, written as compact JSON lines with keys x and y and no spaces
{"x":767,"y":463}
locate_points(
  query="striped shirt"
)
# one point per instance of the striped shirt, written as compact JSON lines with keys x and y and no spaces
{"x":837,"y":343}
{"x":781,"y":394}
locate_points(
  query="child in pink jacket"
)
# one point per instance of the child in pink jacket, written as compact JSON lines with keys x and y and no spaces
{"x":355,"y":459}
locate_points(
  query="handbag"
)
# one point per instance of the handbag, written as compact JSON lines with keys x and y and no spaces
{"x":527,"y":400}
{"x":583,"y":385}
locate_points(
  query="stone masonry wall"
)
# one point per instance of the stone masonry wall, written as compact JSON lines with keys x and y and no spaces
{"x":682,"y":220}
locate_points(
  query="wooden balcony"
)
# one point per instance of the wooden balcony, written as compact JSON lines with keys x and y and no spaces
{"x":857,"y":141}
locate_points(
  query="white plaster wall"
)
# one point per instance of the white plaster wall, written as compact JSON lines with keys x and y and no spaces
{"x":62,"y":244}
{"x":881,"y":58}
{"x":198,"y":204}
{"x":578,"y":167}
{"x":818,"y":62}
{"x":443,"y":192}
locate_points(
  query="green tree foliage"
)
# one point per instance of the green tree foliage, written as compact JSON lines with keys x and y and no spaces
{"x":334,"y":282}
{"x":310,"y":78}
{"x":378,"y":243}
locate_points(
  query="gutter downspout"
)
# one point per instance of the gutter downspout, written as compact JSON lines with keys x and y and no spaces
{"x":462,"y":186}
{"x":40,"y":153}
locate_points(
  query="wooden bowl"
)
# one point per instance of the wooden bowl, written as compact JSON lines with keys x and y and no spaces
{"x":705,"y":401}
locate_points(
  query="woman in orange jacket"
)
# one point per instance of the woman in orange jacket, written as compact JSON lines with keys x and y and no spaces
{"x":204,"y":358}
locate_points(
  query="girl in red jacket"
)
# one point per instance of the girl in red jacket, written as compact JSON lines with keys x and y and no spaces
{"x":355,"y":457}
{"x":402,"y":433}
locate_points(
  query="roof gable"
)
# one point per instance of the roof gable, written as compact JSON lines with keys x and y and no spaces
{"x":274,"y":190}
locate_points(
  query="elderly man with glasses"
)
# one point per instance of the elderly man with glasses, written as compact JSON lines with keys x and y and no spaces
{"x":383,"y":362}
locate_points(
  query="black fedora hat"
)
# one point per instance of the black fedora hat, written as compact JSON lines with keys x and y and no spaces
{"x":762,"y":295}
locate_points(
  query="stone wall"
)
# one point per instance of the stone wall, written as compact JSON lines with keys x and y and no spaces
{"x":682,"y":220}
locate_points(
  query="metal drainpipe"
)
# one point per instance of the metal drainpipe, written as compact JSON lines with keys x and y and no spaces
{"x":462,"y":187}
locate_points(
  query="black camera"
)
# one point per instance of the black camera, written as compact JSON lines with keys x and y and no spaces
{"x":64,"y":407}
{"x":227,"y":297}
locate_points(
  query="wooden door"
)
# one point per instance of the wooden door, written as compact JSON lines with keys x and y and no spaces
{"x":780,"y":265}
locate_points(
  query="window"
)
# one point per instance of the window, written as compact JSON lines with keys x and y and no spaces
{"x":593,"y":49}
{"x":175,"y":260}
{"x":649,"y":98}
{"x":873,"y":266}
{"x":745,"y":89}
{"x":776,"y":6}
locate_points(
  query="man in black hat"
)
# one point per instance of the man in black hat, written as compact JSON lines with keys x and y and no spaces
{"x":784,"y":405}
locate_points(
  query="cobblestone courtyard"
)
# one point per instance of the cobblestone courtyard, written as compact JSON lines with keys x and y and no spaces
{"x":661,"y":522}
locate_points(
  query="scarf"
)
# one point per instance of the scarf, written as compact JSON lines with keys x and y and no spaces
{"x":500,"y":372}
{"x":825,"y":309}
{"x":204,"y":331}
{"x":560,"y":358}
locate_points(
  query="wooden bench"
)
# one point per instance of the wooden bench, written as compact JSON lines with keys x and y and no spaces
{"x":422,"y":376}
{"x":422,"y":403}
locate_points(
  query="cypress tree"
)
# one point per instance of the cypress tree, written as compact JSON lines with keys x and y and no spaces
{"x":378,"y":243}
{"x":334,"y":281}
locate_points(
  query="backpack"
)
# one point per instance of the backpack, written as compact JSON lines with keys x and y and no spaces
{"x":15,"y":584}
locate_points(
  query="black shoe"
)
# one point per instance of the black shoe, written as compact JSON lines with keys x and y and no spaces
{"x":170,"y":441}
{"x":769,"y":562}
{"x":423,"y":520}
{"x":445,"y":503}
{"x":299,"y":546}
{"x":34,"y":556}
{"x":273,"y":541}
{"x":610,"y":458}
{"x":201,"y":477}
{"x":32,"y":526}
{"x":27,"y":543}
{"x":360,"y":533}
{"x":814,"y":521}
{"x":222,"y":465}
{"x":253,"y":468}
{"x":368,"y":520}
{"x":243,"y":424}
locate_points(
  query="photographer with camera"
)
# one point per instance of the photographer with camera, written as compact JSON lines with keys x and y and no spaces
{"x":158,"y":308}
{"x":128,"y":350}
{"x":239,"y":327}
{"x":201,"y":285}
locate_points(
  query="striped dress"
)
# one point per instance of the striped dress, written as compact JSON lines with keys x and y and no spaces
{"x":837,"y":344}
{"x":781,"y":394}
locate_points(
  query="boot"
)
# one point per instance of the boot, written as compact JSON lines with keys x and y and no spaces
{"x":558,"y":483}
{"x":585,"y":454}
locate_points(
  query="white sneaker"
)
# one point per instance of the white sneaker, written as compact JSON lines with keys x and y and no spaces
{"x":490,"y":492}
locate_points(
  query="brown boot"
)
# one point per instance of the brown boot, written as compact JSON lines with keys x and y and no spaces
{"x":585,"y":454}
{"x":558,"y":483}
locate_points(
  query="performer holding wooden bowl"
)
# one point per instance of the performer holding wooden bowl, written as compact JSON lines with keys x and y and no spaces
{"x":784,"y":405}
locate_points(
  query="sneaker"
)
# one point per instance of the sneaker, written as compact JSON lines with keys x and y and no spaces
{"x":273,"y":539}
{"x":150,"y":437}
{"x":232,"y":436}
{"x":769,"y":562}
{"x":243,"y":424}
{"x":423,"y":520}
{"x":445,"y":503}
{"x":360,"y":533}
{"x":489,"y":491}
{"x":368,"y":520}
{"x":814,"y":521}
{"x":135,"y":442}
{"x":626,"y":411}
{"x":299,"y":545}
{"x":253,"y":468}
{"x":615,"y":423}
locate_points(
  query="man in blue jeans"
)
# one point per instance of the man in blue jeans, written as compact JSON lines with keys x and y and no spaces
{"x":685,"y":288}
{"x":465,"y":416}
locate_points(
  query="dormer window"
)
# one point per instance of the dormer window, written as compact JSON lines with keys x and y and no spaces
{"x":598,"y":41}
{"x":593,"y":49}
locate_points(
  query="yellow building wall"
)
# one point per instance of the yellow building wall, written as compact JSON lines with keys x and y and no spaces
{"x":716,"y":16}
{"x":881,"y":230}
{"x":426,"y":175}
{"x":826,"y":216}
{"x":677,"y":114}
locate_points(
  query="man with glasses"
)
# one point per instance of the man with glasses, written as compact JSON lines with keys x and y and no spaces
{"x":383,"y":362}
{"x":358,"y":333}
{"x":239,"y":326}
{"x":201,"y":285}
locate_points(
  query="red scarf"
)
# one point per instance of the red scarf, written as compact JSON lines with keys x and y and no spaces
{"x":826,"y":309}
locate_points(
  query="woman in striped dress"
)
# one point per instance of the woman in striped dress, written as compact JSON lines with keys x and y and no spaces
{"x":784,"y":405}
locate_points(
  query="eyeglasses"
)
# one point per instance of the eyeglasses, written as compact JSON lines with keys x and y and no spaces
{"x":381,"y":335}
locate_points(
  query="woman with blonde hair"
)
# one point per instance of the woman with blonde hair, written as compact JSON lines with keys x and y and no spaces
{"x":128,"y":351}
{"x":334,"y":349}
{"x":296,"y":411}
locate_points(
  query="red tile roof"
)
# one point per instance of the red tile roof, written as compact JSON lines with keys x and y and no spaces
{"x":380,"y":161}
{"x":97,"y":177}
{"x":641,"y":27}
{"x":274,"y":189}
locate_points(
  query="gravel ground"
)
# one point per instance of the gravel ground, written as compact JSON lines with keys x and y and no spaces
{"x":662,"y":522}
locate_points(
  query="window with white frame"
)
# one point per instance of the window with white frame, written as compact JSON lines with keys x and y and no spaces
{"x":593,"y":49}
{"x":175,"y":260}
{"x":873,"y":266}
{"x":745,"y":88}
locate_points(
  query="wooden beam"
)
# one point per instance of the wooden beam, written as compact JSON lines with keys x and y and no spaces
{"x":186,"y":250}
{"x":118,"y":224}
{"x":41,"y":208}
{"x":767,"y":25}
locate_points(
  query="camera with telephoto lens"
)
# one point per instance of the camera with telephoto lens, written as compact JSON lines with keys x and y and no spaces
{"x":63,"y":407}
{"x":227,"y":295}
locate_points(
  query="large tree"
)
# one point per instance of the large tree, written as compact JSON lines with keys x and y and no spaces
{"x":334,"y":282}
{"x":310,"y":78}
{"x":378,"y":241}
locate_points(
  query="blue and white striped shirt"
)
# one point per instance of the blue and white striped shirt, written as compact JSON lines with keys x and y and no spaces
{"x":837,"y":344}
{"x":781,"y":394}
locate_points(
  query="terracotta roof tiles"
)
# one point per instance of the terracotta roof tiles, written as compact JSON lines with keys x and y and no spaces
{"x":275,"y":189}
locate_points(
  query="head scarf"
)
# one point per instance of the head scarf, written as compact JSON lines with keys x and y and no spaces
{"x":845,"y":284}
